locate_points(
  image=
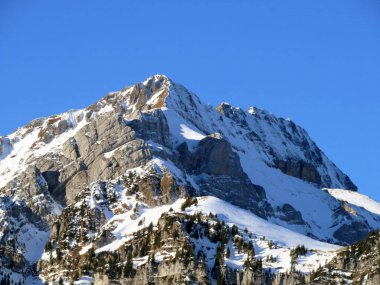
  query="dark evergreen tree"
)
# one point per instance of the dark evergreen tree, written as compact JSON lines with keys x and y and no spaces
{"x":128,"y":267}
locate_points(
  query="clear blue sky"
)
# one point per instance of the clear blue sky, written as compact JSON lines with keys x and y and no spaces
{"x":317,"y":62}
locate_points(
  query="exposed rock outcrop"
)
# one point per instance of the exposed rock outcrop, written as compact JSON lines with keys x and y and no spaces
{"x":299,"y":169}
{"x":217,"y":170}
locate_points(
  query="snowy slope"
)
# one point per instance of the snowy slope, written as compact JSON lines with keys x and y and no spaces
{"x":359,"y":205}
{"x":245,"y":219}
{"x":263,"y":232}
{"x":123,"y":227}
{"x":357,"y":199}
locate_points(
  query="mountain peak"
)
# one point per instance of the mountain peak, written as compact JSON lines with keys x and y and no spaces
{"x":156,"y":92}
{"x":149,"y":94}
{"x":157,"y":78}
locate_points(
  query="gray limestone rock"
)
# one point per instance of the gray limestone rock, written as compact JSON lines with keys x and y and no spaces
{"x":299,"y":169}
{"x":217,"y":169}
{"x":290,"y":215}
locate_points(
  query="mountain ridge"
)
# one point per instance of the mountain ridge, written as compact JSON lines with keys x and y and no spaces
{"x":160,"y":85}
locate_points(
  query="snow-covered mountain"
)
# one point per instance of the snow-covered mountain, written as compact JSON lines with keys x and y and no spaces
{"x":92,"y":194}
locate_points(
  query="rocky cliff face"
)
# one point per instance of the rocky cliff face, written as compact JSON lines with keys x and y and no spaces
{"x":94,"y":179}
